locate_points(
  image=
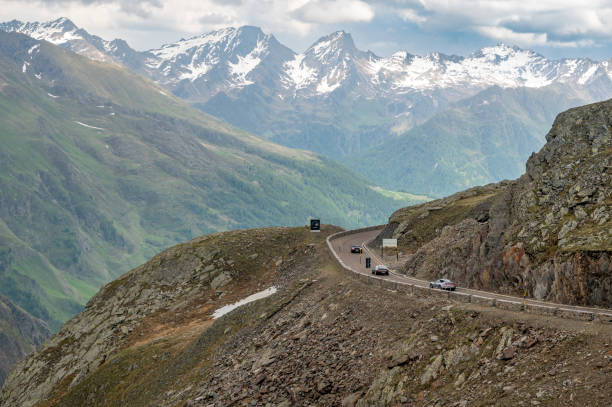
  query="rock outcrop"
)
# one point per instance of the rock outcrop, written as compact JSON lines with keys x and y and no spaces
{"x":551,"y":229}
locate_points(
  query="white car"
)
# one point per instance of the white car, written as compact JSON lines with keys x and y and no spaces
{"x":443,"y":284}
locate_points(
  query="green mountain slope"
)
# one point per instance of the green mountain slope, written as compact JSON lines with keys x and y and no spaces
{"x":476,"y":141}
{"x":100,"y":169}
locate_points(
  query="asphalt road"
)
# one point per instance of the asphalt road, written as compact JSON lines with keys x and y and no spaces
{"x":342,"y":247}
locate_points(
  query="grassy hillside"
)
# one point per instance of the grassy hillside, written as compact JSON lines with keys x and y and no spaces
{"x":482,"y":139}
{"x":100,"y":169}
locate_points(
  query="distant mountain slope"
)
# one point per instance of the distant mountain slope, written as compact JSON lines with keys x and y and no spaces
{"x":100,"y":169}
{"x":478,"y":140}
{"x":20,"y":334}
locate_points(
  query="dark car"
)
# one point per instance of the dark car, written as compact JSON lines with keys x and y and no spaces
{"x":380,"y":269}
{"x":355,"y":249}
{"x":443,"y":284}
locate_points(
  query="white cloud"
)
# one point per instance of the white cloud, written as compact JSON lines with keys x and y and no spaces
{"x":334,"y":11}
{"x":150,"y":23}
{"x":558,"y":23}
{"x":411,"y":15}
{"x":504,"y":34}
{"x":528,"y":39}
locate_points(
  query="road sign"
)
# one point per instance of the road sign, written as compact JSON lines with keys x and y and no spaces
{"x":389,"y":242}
{"x":368,"y":262}
{"x":315,"y":225}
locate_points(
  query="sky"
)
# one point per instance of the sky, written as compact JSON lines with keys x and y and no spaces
{"x":554,"y":28}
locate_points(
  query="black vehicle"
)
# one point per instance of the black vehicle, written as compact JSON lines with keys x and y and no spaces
{"x":355,"y":249}
{"x":380,"y":269}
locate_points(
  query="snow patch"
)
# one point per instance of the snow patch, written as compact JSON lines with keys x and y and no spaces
{"x":588,"y":74}
{"x":24,"y":68}
{"x":88,"y":126}
{"x":246,"y":64}
{"x":324,"y":87}
{"x":257,"y":296}
{"x":34,"y":48}
{"x":300,"y":75}
{"x":195,"y":71}
{"x":53,"y":96}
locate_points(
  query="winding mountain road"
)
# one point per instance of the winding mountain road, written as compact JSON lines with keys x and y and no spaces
{"x":341,"y":245}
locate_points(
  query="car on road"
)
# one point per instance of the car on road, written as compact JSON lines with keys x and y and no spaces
{"x":380,"y":269}
{"x":355,"y":249}
{"x":443,"y":284}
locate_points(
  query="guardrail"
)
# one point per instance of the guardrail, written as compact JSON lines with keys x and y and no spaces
{"x":564,"y":311}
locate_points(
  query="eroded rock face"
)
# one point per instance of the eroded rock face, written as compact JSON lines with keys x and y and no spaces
{"x":551,"y":228}
{"x":20,"y":334}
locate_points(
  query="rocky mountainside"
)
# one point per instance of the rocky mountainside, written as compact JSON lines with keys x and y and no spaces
{"x":339,"y":101}
{"x":550,"y":229}
{"x":20,"y":335}
{"x":155,"y":337}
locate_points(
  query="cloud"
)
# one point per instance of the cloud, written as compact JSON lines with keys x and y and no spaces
{"x":334,"y":11}
{"x":215,"y":19}
{"x":528,"y":39}
{"x":556,"y":23}
{"x":411,"y":15}
{"x":149,"y":23}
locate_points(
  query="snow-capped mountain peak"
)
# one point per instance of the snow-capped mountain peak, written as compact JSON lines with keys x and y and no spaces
{"x":331,"y":47}
{"x":57,"y":31}
{"x":63,"y":32}
{"x":231,"y":53}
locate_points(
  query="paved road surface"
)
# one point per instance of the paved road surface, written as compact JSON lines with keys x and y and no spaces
{"x":356,"y":262}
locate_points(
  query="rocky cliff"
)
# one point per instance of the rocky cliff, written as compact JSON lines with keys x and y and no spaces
{"x":551,"y":229}
{"x":20,"y":334}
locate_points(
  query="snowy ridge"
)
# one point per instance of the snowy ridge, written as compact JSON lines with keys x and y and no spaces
{"x":64,"y":33}
{"x":57,"y":32}
{"x":230,"y":59}
{"x":503,"y":66}
{"x":230,"y":53}
{"x":323,"y":67}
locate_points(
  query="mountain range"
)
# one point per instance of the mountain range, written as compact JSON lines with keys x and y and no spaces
{"x":348,"y":104}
